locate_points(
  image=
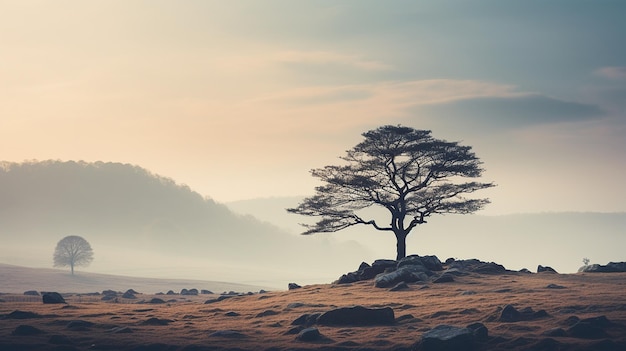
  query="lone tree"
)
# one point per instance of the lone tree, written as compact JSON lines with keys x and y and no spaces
{"x":73,"y":251}
{"x":406,"y":171}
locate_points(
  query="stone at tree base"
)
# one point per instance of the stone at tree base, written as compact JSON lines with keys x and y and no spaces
{"x":357,"y":316}
{"x":444,"y":278}
{"x":405,"y":274}
{"x":446,"y":338}
{"x":432,"y":263}
{"x":52,"y":297}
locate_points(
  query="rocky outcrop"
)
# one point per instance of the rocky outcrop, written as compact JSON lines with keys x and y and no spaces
{"x":611,"y":267}
{"x":414,"y":268}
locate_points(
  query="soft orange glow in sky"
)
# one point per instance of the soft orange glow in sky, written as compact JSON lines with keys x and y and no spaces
{"x":239,"y":100}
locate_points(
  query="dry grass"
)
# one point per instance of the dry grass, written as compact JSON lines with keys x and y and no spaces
{"x":193,"y":322}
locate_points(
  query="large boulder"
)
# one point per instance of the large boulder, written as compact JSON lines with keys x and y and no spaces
{"x":357,"y":316}
{"x":52,"y":297}
{"x":447,"y":338}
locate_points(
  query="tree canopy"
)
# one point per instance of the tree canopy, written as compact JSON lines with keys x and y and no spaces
{"x":403,"y":170}
{"x":72,"y":251}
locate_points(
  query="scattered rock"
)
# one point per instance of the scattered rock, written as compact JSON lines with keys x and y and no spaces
{"x":267,"y":313}
{"x":26,"y":330}
{"x":479,"y":331}
{"x":120,"y":330}
{"x":233,"y":334}
{"x":156,"y":300}
{"x":31,"y":293}
{"x":109,"y":292}
{"x":293,"y":286}
{"x":59,"y":340}
{"x":405,"y":317}
{"x":79,"y":324}
{"x":170,"y":292}
{"x":192,"y":292}
{"x":445,"y":337}
{"x":307,"y":319}
{"x":555,"y":332}
{"x":309,"y":334}
{"x":206,"y":292}
{"x":17,"y":314}
{"x":357,"y":316}
{"x":589,"y":328}
{"x":546,"y":269}
{"x":220,"y":298}
{"x":511,"y":314}
{"x":129,"y":294}
{"x":294,"y":305}
{"x":400,"y":286}
{"x":52,"y":297}
{"x":555,"y":286}
{"x":232,"y":314}
{"x":156,"y":321}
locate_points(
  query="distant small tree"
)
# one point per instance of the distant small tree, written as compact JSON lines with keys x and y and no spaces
{"x":73,"y":251}
{"x":586,"y":261}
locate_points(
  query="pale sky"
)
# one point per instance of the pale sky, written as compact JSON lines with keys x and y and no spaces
{"x":240,"y":99}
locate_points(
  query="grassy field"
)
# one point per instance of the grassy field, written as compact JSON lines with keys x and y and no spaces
{"x":263,"y":321}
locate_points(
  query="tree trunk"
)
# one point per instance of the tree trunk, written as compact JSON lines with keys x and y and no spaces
{"x":401,"y":246}
{"x":72,"y":267}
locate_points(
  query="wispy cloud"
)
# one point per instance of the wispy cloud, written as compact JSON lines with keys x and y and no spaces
{"x":509,"y":112}
{"x":612,"y":72}
{"x":396,"y":94}
{"x":329,"y":57}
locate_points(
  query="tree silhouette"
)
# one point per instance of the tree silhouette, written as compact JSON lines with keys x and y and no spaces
{"x":72,"y":251}
{"x":403,"y":170}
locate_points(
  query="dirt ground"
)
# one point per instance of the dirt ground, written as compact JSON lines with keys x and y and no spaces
{"x":264,"y":321}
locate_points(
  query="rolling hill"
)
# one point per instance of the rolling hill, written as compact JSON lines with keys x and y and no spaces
{"x":143,"y":224}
